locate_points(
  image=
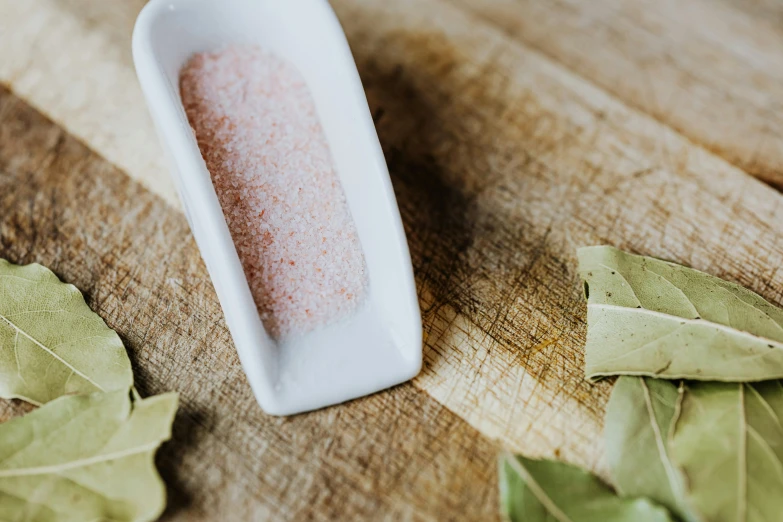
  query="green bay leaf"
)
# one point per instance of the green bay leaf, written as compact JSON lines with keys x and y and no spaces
{"x":651,"y":317}
{"x":85,"y":457}
{"x":549,"y":491}
{"x":639,"y":419}
{"x":728,"y":442}
{"x":51,"y":343}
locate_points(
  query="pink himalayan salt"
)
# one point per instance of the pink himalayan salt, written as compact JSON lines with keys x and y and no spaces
{"x":259,"y":134}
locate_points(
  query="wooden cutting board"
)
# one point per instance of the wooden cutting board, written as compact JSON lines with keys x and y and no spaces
{"x":515,"y":131}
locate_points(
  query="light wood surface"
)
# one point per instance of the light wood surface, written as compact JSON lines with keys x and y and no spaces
{"x":711,"y":69}
{"x":515,"y":132}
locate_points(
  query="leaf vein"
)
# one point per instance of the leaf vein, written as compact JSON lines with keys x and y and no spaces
{"x":79,"y":463}
{"x":701,"y":322}
{"x":53,"y":354}
{"x":537,"y":490}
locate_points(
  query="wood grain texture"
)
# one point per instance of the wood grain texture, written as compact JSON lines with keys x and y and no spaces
{"x":712,"y":69}
{"x":72,"y":58}
{"x":504,"y":162}
{"x":507,"y":152}
{"x":395,"y":455}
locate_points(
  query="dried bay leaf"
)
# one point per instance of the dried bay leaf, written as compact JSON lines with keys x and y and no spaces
{"x":86,"y":457}
{"x":728,"y":441}
{"x":660,"y":319}
{"x":543,"y":490}
{"x":51,"y":343}
{"x":639,"y":419}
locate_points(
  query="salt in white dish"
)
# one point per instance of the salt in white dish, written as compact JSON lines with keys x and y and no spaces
{"x":381,"y":344}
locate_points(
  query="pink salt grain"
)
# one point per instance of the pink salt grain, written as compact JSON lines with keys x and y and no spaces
{"x":261,"y":139}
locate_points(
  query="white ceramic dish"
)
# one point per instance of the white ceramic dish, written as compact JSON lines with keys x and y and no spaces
{"x":380,"y":345}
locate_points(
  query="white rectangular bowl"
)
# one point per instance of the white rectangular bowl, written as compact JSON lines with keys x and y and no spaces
{"x":381,"y":344}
